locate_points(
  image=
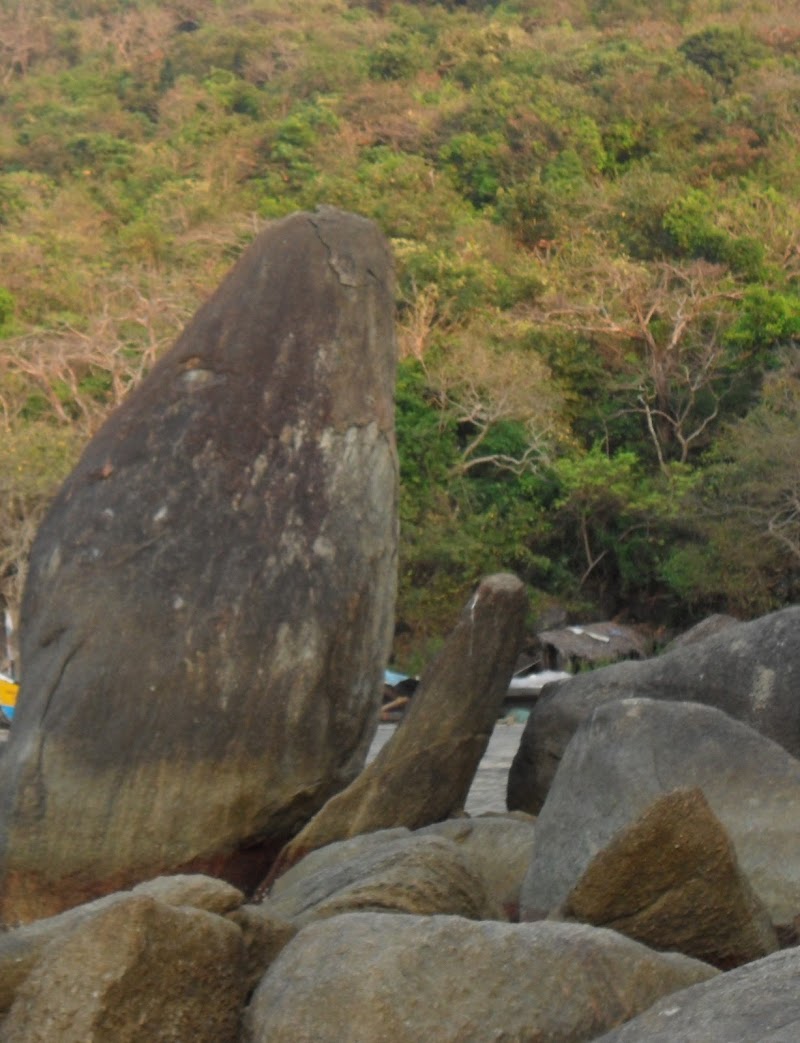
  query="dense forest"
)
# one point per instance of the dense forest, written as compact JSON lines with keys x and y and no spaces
{"x":594,"y":207}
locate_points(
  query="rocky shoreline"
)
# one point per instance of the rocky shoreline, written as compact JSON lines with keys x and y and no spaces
{"x":655,"y":897}
{"x":192,"y":847}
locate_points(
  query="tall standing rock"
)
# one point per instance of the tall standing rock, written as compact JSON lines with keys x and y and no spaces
{"x":423,"y":774}
{"x":210,"y":600}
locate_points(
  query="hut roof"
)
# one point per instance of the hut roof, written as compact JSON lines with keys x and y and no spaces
{"x":597,"y":642}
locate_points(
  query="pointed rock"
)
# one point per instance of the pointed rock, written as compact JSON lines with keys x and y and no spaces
{"x":210,"y":601}
{"x":423,"y":774}
{"x":633,"y":751}
{"x":672,"y":881}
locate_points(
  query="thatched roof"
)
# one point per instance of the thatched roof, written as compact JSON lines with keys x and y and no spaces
{"x":595,"y":643}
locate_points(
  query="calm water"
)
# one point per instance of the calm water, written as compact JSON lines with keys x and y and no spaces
{"x":488,"y":791}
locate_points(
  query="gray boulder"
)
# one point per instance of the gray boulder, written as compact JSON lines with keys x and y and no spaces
{"x":264,"y":936}
{"x":748,"y":670}
{"x":708,"y":627}
{"x":422,"y":875}
{"x":138,"y":970}
{"x":758,"y":1003}
{"x":423,"y":774}
{"x":671,"y":880}
{"x":365,"y":977}
{"x":21,"y":949}
{"x":210,"y":600}
{"x":193,"y":889}
{"x":339,"y":853}
{"x":499,"y":847}
{"x":632,"y":751}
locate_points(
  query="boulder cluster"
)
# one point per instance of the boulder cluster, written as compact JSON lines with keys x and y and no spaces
{"x":655,"y":897}
{"x":191,"y":850}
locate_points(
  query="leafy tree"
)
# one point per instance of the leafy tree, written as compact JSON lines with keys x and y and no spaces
{"x":722,"y":53}
{"x":617,"y":517}
{"x":593,"y":206}
{"x":663,"y":329}
{"x":503,"y":403}
{"x":695,"y":233}
{"x":747,"y":507}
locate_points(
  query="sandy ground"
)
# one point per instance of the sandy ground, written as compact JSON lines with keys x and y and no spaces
{"x":488,"y":791}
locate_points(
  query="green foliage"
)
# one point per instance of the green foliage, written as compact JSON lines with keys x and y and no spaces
{"x":398,"y":58}
{"x":467,"y":283}
{"x":722,"y":53}
{"x":101,"y":153}
{"x":615,"y":12}
{"x":588,"y":203}
{"x":690,"y":222}
{"x":746,"y":525}
{"x":425,"y":438}
{"x":476,"y":165}
{"x":766,"y":321}
{"x":619,"y":520}
{"x":7,"y":307}
{"x":236,"y":95}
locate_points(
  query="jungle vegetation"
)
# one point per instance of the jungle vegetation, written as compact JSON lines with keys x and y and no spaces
{"x":594,"y":207}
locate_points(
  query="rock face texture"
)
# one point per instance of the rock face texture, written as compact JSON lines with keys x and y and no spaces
{"x":748,"y":670}
{"x":757,"y":1003}
{"x":210,"y":601}
{"x":22,"y":949}
{"x":425,"y":875}
{"x":364,"y":977}
{"x":137,"y":970}
{"x":672,"y":881}
{"x":498,"y":846}
{"x":635,"y":750}
{"x":423,"y":774}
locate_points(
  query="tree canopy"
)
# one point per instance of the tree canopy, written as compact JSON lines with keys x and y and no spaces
{"x":594,"y":207}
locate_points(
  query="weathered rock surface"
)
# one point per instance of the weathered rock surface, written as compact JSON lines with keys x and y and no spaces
{"x":671,"y":881}
{"x":264,"y":936}
{"x":21,"y":949}
{"x":498,"y":846}
{"x":708,"y":627}
{"x":210,"y":601}
{"x":343,"y":851}
{"x":139,"y":970}
{"x":194,"y":889}
{"x":422,"y":875}
{"x":423,"y":774}
{"x":365,"y":977}
{"x":629,"y":753}
{"x":749,"y":670}
{"x":758,"y":1003}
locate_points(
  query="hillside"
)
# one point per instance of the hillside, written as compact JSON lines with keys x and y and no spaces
{"x":595,"y":212}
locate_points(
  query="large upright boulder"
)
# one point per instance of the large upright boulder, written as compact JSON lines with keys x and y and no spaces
{"x":210,"y":601}
{"x":748,"y":670}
